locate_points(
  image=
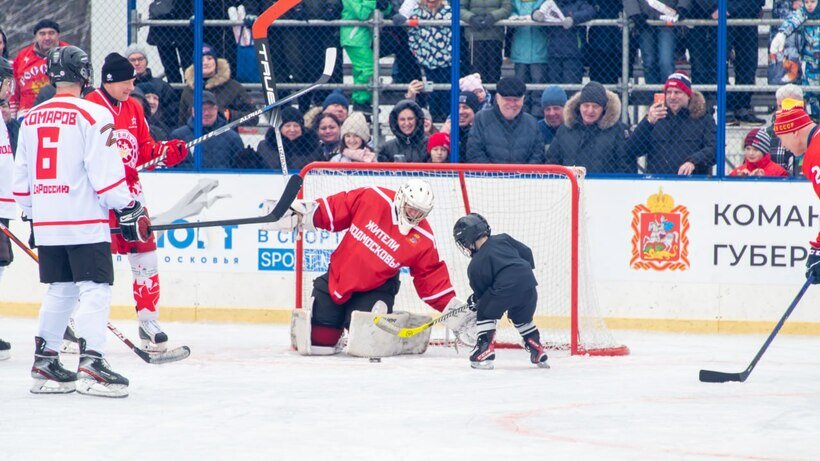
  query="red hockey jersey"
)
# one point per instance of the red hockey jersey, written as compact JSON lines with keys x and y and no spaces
{"x":373,"y":250}
{"x":811,"y":168}
{"x":30,"y":74}
{"x":131,"y":133}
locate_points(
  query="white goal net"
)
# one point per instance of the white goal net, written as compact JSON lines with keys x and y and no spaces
{"x":540,"y":205}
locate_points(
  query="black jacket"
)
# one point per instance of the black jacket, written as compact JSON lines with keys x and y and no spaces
{"x":298,"y":153}
{"x":600,"y":148}
{"x":502,"y":267}
{"x":494,"y":139}
{"x":688,"y":136}
{"x":413,"y":147}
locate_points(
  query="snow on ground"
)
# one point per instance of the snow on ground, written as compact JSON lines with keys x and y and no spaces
{"x":244,"y":395}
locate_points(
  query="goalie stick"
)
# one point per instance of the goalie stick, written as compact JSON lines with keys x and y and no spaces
{"x":709,"y":376}
{"x":259,"y":31}
{"x":330,"y":64}
{"x":156,"y":358}
{"x":287,"y":198}
{"x":388,"y":326}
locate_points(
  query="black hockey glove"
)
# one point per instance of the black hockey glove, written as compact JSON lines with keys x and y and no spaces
{"x":813,"y":265}
{"x":31,"y":232}
{"x":134,"y":223}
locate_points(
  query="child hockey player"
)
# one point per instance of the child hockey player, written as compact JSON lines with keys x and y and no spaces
{"x":501,"y":276}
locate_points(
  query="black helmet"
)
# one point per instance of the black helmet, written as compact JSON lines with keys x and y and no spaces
{"x":468,"y":229}
{"x":5,"y":69}
{"x":69,"y":64}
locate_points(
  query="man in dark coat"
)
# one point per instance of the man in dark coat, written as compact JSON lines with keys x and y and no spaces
{"x":505,"y":133}
{"x":677,"y":135}
{"x":217,"y":152}
{"x":592,"y":135}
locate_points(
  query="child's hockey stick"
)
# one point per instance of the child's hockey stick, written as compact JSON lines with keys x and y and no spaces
{"x":708,"y":376}
{"x":259,"y":31}
{"x":330,"y":63}
{"x":387,"y":325}
{"x":156,"y":358}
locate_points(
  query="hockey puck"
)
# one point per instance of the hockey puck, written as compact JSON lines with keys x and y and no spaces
{"x":375,"y":360}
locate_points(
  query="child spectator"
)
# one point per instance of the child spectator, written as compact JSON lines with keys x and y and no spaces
{"x":438,"y":146}
{"x":784,"y":67}
{"x":810,"y":51}
{"x":473,"y":84}
{"x":502,"y":279}
{"x":758,"y":162}
{"x":355,"y":136}
{"x":357,"y":42}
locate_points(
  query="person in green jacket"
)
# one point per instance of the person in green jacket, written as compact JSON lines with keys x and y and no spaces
{"x":357,"y":41}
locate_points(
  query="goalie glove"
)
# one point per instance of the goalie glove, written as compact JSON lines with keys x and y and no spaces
{"x":462,"y":322}
{"x":134,"y":223}
{"x":298,"y":217}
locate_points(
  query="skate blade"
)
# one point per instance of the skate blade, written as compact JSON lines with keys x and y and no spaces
{"x":483,"y":365}
{"x":5,"y":355}
{"x":544,"y":365}
{"x":148,"y":346}
{"x":69,"y":347}
{"x":98,"y":389}
{"x":48,"y":386}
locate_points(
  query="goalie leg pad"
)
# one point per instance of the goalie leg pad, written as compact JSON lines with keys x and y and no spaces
{"x":300,"y":331}
{"x":367,"y":340}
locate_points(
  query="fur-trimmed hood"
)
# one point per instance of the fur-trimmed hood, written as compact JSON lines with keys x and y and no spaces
{"x":221,"y":77}
{"x":697,"y":105}
{"x":611,"y":116}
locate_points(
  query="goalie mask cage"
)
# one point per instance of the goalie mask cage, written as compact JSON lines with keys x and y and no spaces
{"x":540,"y":205}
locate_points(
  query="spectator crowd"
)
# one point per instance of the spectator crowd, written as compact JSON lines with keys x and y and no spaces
{"x":501,"y":118}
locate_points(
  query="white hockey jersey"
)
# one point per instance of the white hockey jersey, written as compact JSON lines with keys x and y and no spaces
{"x":68,"y":171}
{"x":7,"y":207}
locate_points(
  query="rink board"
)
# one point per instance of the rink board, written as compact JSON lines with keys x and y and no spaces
{"x":738,"y":262}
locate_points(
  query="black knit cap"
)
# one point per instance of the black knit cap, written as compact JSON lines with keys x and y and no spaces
{"x":46,"y":24}
{"x":593,"y":92}
{"x":291,"y":114}
{"x":117,"y":69}
{"x":511,"y":87}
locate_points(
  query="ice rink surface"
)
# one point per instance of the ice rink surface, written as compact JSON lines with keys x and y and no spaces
{"x":244,"y":395}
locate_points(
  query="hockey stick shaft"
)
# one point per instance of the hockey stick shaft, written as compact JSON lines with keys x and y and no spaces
{"x":410,"y":332}
{"x":162,"y":357}
{"x":709,"y":376}
{"x":330,"y":63}
{"x":263,"y":60}
{"x":287,"y":198}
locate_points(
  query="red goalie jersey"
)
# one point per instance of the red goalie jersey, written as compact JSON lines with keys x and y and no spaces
{"x":373,"y":250}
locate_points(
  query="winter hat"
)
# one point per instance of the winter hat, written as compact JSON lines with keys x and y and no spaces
{"x":680,"y":81}
{"x":593,"y":92}
{"x":470,"y":99}
{"x":471,"y":82}
{"x":291,"y":114}
{"x":791,"y":120}
{"x":335,"y":97}
{"x":148,"y":88}
{"x":553,"y":95}
{"x":440,"y":139}
{"x":356,"y":123}
{"x":138,"y":93}
{"x":759,"y":139}
{"x":46,"y":24}
{"x":209,"y":98}
{"x":117,"y":69}
{"x":208,"y":50}
{"x":134,"y":48}
{"x":511,"y":87}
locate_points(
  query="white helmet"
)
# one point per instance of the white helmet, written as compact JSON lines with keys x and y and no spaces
{"x":416,"y":195}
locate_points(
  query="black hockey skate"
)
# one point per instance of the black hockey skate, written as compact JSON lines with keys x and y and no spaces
{"x":5,"y":350}
{"x":484,"y":351}
{"x":94,"y":377}
{"x":70,"y":345}
{"x":49,"y":375}
{"x":532,"y":343}
{"x":152,"y":337}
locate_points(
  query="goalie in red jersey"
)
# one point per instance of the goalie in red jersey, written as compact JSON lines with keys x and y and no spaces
{"x":386,"y":230}
{"x":136,"y":147}
{"x":800,"y":135}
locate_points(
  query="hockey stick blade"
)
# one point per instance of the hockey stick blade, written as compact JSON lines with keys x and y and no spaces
{"x":288,"y":196}
{"x":158,"y":358}
{"x":330,"y":64}
{"x":389,"y":326}
{"x":708,"y":376}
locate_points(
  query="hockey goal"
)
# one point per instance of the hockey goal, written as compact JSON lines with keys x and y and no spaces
{"x":540,"y":205}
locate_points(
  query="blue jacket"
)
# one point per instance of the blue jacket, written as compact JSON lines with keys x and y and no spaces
{"x":529,"y":44}
{"x":566,"y":43}
{"x":217,"y":152}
